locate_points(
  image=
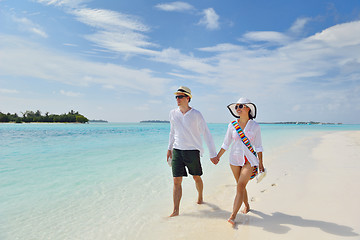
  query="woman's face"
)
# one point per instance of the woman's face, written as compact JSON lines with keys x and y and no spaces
{"x":242,"y":110}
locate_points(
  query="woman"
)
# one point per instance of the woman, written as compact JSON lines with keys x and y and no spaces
{"x":243,"y":162}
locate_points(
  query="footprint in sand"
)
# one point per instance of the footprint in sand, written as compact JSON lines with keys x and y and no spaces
{"x":273,"y":185}
{"x":254,"y":199}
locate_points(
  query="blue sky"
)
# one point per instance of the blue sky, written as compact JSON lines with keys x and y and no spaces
{"x":122,"y":60}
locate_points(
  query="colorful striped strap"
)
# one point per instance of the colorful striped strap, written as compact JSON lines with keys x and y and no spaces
{"x":247,"y":143}
{"x":243,"y":137}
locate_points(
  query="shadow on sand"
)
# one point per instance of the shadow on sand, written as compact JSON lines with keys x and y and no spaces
{"x":275,"y":223}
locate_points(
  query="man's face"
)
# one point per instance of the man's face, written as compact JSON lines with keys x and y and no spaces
{"x":181,"y":99}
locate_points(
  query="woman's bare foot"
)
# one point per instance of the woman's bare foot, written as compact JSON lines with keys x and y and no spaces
{"x":231,"y":221}
{"x":175,"y":213}
{"x":200,"y":200}
{"x":246,"y":209}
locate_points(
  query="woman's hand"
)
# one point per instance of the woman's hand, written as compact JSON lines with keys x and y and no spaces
{"x":261,"y":167}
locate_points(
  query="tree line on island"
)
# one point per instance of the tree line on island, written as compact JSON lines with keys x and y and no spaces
{"x":30,"y":116}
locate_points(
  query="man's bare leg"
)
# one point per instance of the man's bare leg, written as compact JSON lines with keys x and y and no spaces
{"x":177,"y":193}
{"x":199,"y":186}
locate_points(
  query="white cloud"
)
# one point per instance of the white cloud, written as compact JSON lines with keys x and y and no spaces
{"x":27,"y":25}
{"x":277,"y":38}
{"x":143,"y":107}
{"x":223,"y":47}
{"x":10,"y":91}
{"x":296,"y":108}
{"x":266,"y":36}
{"x":295,"y":74}
{"x":40,"y":63}
{"x":124,"y":42}
{"x":107,"y":86}
{"x":175,"y":7}
{"x":63,"y":3}
{"x":269,"y":67}
{"x":210,"y":19}
{"x":109,"y":20}
{"x":116,"y":32}
{"x":70,"y":93}
{"x":51,"y":2}
{"x":341,"y":35}
{"x":70,"y":44}
{"x":155,"y":102}
{"x":299,"y":25}
{"x":186,"y":62}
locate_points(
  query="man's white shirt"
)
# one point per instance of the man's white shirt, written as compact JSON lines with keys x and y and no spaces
{"x":186,"y":130}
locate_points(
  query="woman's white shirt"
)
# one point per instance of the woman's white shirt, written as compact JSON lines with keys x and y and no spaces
{"x":239,"y":150}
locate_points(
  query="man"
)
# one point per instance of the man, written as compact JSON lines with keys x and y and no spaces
{"x":185,"y":145}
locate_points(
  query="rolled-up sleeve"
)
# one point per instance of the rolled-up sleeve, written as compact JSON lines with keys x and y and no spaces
{"x":228,"y":138}
{"x":207,"y":137}
{"x":257,"y":141}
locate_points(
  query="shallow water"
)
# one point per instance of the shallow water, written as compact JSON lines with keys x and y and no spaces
{"x":86,"y":181}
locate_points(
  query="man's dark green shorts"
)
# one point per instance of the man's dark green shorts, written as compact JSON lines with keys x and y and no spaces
{"x":186,"y":158}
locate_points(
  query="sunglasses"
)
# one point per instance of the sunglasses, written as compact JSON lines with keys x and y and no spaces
{"x":180,"y":96}
{"x":240,"y":106}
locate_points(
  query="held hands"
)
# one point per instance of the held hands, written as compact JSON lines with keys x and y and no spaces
{"x":215,"y":160}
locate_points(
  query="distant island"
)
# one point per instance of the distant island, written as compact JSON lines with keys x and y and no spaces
{"x":37,"y":117}
{"x":301,"y":123}
{"x":98,"y":121}
{"x":154,"y":121}
{"x":296,"y":123}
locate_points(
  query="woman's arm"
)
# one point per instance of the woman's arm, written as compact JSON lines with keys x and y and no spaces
{"x":221,"y":152}
{"x":227,"y":142}
{"x":261,"y":165}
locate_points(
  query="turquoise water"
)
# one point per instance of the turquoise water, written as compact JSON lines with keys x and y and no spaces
{"x":81,"y":181}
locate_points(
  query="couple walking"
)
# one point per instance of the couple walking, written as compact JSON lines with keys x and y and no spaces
{"x":185,"y":148}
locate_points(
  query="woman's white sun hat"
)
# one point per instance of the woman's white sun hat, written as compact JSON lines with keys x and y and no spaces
{"x":246,"y":102}
{"x":184,"y":90}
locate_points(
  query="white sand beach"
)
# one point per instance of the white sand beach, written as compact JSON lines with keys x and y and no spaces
{"x":311,"y":191}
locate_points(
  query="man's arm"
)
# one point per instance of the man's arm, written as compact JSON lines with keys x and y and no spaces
{"x":209,"y":140}
{"x":171,"y":140}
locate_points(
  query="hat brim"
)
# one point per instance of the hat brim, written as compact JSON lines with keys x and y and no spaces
{"x":188,"y":94}
{"x":233,"y":111}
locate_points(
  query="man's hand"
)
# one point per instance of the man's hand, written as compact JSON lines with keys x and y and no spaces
{"x":215,"y":160}
{"x":168,"y":155}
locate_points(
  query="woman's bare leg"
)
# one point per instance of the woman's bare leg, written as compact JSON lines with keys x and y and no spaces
{"x":245,"y":174}
{"x":246,"y":204}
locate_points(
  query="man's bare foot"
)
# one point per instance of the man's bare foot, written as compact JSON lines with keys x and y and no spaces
{"x":200,"y":200}
{"x":231,"y":221}
{"x":175,"y":213}
{"x":246,"y":209}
